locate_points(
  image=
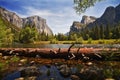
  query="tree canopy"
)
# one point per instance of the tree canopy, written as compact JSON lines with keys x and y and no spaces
{"x":81,"y":5}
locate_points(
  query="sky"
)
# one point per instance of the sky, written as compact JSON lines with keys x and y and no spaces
{"x":59,"y":14}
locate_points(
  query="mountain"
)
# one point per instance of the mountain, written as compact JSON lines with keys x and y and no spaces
{"x":111,"y":16}
{"x":38,"y":22}
{"x":88,"y":19}
{"x":20,"y":23}
{"x":78,"y":26}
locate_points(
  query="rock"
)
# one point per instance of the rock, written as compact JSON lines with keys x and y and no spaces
{"x":91,"y":73}
{"x":65,"y":71}
{"x":74,"y":77}
{"x":0,"y":54}
{"x":89,"y":63}
{"x":88,"y":19}
{"x":30,"y":71}
{"x":111,"y":16}
{"x":39,"y":23}
{"x":52,"y":78}
{"x":76,"y":27}
{"x":109,"y":79}
{"x":27,"y":78}
{"x":23,"y":60}
{"x":31,"y":78}
{"x":5,"y":57}
{"x":20,"y":64}
{"x":32,"y":62}
{"x":21,"y":78}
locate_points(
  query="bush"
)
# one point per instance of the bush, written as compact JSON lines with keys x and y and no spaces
{"x":89,"y":41}
{"x":79,"y":40}
{"x":53,"y":41}
{"x":101,"y":42}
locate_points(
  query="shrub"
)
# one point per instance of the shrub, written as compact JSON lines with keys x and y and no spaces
{"x":89,"y":41}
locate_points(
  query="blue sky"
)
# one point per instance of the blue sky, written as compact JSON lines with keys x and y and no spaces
{"x":58,"y":13}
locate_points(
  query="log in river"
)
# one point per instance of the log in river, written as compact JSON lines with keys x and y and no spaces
{"x":64,"y":53}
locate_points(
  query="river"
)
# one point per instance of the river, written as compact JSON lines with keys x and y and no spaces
{"x":18,"y":45}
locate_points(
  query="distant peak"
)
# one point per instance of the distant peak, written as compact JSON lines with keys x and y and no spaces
{"x":88,"y":19}
{"x":118,"y":6}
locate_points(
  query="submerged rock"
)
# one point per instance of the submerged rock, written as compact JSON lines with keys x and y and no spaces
{"x":65,"y":70}
{"x":30,"y":71}
{"x":21,"y":78}
{"x":27,"y":78}
{"x":74,"y":77}
{"x":91,"y":73}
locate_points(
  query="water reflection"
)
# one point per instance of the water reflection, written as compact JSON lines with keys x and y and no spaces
{"x":18,"y":45}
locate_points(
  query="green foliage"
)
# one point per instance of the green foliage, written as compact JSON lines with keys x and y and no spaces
{"x":81,"y":5}
{"x":79,"y":40}
{"x":100,"y":32}
{"x":61,"y":37}
{"x":7,"y":32}
{"x":89,"y":41}
{"x":28,"y":35}
{"x":1,"y":66}
{"x":108,"y":73}
{"x":53,"y":41}
{"x":14,"y":59}
{"x":101,"y":42}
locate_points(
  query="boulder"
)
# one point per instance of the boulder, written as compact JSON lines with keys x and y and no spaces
{"x":30,"y":71}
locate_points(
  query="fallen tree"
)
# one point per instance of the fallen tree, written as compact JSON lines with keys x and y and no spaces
{"x":62,"y":53}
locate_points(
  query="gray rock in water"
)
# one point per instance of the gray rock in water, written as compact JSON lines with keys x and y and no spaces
{"x":27,"y":78}
{"x":91,"y":73}
{"x":30,"y":71}
{"x":21,"y":78}
{"x":74,"y":77}
{"x":65,"y":70}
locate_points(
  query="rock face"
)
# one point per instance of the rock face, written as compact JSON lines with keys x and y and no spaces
{"x":78,"y":26}
{"x":35,"y":21}
{"x":87,"y":19}
{"x":38,"y":22}
{"x":111,"y":16}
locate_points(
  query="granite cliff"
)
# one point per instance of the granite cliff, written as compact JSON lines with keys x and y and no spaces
{"x":78,"y":26}
{"x":111,"y":16}
{"x":19,"y":22}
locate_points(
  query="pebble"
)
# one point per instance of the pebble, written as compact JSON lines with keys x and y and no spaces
{"x":21,"y":78}
{"x":23,"y":60}
{"x":74,"y":77}
{"x":89,"y":63}
{"x":109,"y":79}
{"x":0,"y":54}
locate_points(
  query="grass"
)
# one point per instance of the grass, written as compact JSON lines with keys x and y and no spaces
{"x":104,"y":41}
